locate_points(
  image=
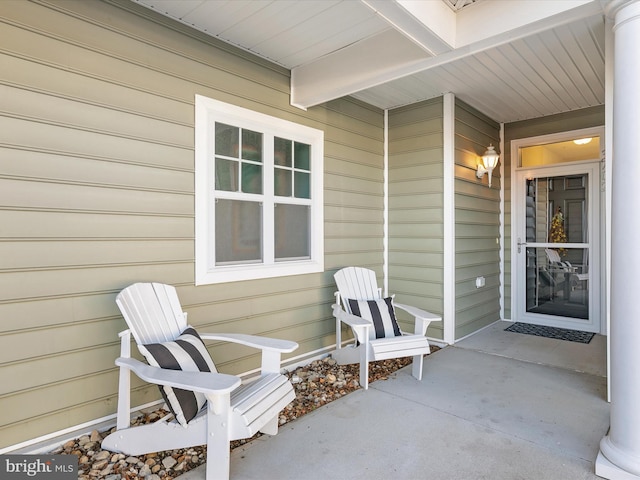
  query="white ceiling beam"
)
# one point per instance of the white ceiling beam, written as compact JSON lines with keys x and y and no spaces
{"x":375,"y":60}
{"x":432,"y":27}
{"x":395,"y":54}
{"x":434,"y":15}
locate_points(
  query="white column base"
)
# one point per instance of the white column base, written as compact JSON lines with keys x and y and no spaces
{"x":606,"y":469}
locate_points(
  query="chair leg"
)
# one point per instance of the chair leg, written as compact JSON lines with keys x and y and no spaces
{"x":124,"y":399}
{"x":416,"y":369}
{"x":364,"y":366}
{"x":218,"y":438}
{"x":271,"y":427}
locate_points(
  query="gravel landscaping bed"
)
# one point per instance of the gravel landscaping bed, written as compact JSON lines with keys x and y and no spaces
{"x":316,"y":384}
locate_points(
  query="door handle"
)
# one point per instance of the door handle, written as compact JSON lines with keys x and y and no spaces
{"x":520,"y":244}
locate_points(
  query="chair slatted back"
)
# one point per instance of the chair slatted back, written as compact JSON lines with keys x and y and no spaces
{"x":555,"y":260}
{"x":357,"y":283}
{"x":553,"y":255}
{"x":152,"y":312}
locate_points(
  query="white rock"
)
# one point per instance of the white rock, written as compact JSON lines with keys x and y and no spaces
{"x":116,"y":457}
{"x":145,"y":471}
{"x":169,"y":462}
{"x":106,"y":470}
{"x":101,"y":455}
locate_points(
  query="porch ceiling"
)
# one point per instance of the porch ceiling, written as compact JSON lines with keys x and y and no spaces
{"x":511,"y":60}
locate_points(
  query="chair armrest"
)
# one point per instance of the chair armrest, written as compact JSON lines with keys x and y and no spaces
{"x":418,"y":313}
{"x":255,"y":341}
{"x":422,"y":317}
{"x":204,"y":382}
{"x":272,"y":348}
{"x":359,"y":325}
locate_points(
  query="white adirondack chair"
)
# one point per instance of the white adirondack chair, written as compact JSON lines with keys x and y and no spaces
{"x":355,"y":283}
{"x":564,"y":274}
{"x":234,"y":411}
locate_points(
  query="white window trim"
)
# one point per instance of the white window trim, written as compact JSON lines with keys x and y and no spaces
{"x":207,"y":112}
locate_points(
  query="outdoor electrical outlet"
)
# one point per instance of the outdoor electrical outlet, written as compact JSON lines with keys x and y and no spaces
{"x":480,"y":282}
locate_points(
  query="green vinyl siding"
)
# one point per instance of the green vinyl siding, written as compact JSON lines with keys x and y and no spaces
{"x":477,"y":223}
{"x":562,"y":122}
{"x":97,"y":192}
{"x":416,"y":208}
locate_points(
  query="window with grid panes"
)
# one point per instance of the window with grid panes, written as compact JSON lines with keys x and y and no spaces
{"x":258,"y":195}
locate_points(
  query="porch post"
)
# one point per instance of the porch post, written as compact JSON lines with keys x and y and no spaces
{"x":619,"y":456}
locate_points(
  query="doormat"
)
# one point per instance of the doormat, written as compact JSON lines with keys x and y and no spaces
{"x":551,"y":332}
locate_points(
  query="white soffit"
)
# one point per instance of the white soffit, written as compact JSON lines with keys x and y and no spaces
{"x":330,"y":77}
{"x":512,"y":60}
{"x":555,"y":71}
{"x":286,"y":32}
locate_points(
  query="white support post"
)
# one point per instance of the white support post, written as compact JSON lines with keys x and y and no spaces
{"x":619,"y":456}
{"x":448,"y":127}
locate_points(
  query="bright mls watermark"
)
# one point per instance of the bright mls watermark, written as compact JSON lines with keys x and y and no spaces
{"x":38,"y":467}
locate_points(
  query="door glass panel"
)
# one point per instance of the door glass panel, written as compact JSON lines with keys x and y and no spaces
{"x":555,"y":285}
{"x":557,"y":272}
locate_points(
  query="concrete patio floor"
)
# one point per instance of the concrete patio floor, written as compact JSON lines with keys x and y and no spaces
{"x":497,"y":405}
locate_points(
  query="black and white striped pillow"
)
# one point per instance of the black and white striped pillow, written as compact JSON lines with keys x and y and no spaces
{"x":187,"y":353}
{"x":381,"y":313}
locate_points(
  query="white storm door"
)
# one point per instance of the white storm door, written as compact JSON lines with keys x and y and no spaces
{"x":556,"y":245}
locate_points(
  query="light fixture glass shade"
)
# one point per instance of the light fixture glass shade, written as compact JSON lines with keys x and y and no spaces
{"x":490,"y":158}
{"x":489,"y":162}
{"x":582,"y":141}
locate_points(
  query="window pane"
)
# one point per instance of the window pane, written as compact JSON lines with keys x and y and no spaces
{"x":226,"y":175}
{"x":292,"y":232}
{"x":251,"y":178}
{"x":282,"y":152}
{"x":251,"y":145}
{"x":303,"y":156}
{"x":560,"y":152}
{"x":238,"y":232}
{"x":302,"y":185}
{"x":282,"y":182}
{"x":227,"y":139}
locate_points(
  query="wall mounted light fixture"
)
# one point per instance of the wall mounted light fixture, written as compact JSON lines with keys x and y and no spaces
{"x":488,"y":163}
